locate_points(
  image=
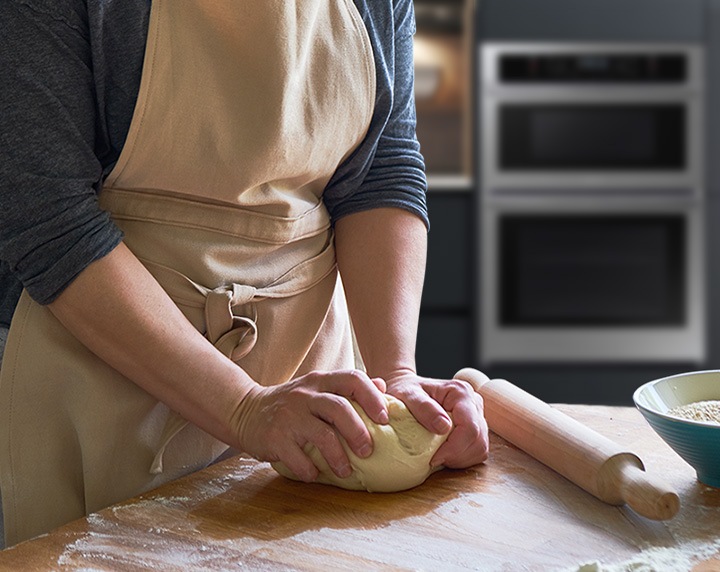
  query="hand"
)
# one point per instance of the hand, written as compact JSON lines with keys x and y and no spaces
{"x":446,"y":405}
{"x":275,"y":423}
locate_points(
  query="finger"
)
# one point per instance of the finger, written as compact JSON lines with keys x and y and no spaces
{"x":356,"y":385}
{"x":297,"y":462}
{"x":468,"y":443}
{"x":462,"y":449}
{"x":424,"y":408}
{"x":338,"y":412}
{"x":380,"y":383}
{"x":327,"y":442}
{"x":449,"y":392}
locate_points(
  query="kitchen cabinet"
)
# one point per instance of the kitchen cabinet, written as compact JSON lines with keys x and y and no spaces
{"x":444,"y":344}
{"x":446,"y":332}
{"x":448,"y":278}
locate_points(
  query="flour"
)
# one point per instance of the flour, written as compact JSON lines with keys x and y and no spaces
{"x":705,"y":411}
{"x":108,"y":547}
{"x":660,"y":559}
{"x":681,"y":557}
{"x":693,"y":537}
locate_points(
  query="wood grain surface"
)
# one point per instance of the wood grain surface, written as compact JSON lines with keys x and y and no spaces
{"x":510,"y":514}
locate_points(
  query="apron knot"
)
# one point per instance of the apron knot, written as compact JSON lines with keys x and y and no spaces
{"x":235,"y":336}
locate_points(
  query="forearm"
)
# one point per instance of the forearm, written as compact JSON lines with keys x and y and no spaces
{"x":381,"y":256}
{"x":118,"y":310}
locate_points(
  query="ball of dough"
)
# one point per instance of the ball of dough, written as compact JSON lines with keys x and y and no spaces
{"x":400,"y":460}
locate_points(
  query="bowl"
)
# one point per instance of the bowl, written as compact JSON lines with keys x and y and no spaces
{"x":697,"y":442}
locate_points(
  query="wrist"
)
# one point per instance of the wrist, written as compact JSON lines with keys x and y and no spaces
{"x":393,"y":375}
{"x":242,"y":412}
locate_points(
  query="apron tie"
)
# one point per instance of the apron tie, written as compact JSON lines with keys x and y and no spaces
{"x":235,"y":336}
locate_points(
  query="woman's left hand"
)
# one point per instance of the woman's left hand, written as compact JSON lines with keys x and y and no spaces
{"x":443,"y":405}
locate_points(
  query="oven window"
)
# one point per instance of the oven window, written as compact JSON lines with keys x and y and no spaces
{"x":592,"y":137}
{"x":592,"y":270}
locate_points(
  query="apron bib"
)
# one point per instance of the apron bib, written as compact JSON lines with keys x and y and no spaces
{"x":241,"y":120}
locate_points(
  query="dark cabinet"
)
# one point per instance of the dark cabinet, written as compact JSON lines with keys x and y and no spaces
{"x":444,"y":344}
{"x":446,"y":332}
{"x":448,"y":276}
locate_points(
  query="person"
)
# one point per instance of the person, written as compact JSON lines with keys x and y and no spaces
{"x":212,"y":233}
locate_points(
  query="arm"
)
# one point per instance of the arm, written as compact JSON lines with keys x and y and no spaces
{"x":117,"y":309}
{"x":381,"y":253}
{"x":381,"y":256}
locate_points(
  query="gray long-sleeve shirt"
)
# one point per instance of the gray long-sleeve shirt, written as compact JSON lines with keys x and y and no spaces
{"x":69,"y":78}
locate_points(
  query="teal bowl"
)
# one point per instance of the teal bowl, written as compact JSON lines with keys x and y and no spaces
{"x":697,"y":442}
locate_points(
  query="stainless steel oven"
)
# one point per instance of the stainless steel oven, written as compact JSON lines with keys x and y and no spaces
{"x":592,"y":184}
{"x":576,"y":117}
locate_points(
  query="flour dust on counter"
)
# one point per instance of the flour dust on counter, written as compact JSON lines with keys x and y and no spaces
{"x":685,"y":554}
{"x":660,"y":559}
{"x":158,"y":533}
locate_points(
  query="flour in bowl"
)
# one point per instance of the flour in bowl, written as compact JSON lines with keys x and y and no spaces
{"x":707,"y":411}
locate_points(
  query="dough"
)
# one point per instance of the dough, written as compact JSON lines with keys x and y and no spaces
{"x":400,"y":460}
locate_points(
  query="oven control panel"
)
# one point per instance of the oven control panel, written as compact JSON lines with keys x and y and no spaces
{"x":593,"y":67}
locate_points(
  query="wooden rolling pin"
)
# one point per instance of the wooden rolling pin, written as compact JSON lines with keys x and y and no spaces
{"x":591,"y":461}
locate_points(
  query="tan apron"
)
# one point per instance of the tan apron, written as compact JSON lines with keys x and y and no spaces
{"x":245,"y":111}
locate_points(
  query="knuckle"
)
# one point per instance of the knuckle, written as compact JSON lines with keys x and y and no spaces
{"x":462,"y":386}
{"x":316,"y":377}
{"x":482,"y":453}
{"x":485,"y":453}
{"x":356,"y":377}
{"x":406,"y":392}
{"x":335,"y":405}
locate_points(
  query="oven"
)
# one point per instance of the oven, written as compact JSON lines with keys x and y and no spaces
{"x":591,"y":204}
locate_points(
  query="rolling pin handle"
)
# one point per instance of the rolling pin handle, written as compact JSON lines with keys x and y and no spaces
{"x":646,"y":495}
{"x":474,"y":377}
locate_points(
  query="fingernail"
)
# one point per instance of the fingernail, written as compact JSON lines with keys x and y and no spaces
{"x":346,"y":471}
{"x":442,"y":424}
{"x":365,"y":450}
{"x":436,"y":463}
{"x":383,"y":417}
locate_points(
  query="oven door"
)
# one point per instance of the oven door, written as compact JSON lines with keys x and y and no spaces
{"x":637,"y":141}
{"x":612,"y":283}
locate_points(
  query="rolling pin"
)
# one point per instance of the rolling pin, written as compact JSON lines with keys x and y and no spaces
{"x":590,"y":460}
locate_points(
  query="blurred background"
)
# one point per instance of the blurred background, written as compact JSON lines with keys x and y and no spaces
{"x":573,"y":192}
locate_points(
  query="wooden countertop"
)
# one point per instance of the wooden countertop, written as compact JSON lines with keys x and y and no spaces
{"x":510,"y":514}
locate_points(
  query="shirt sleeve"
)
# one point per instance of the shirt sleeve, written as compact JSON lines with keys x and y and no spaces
{"x":51,"y":226}
{"x":387,"y":169}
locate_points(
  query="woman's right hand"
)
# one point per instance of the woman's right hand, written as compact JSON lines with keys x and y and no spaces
{"x":275,"y":423}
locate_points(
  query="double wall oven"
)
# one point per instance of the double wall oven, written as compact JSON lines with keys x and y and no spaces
{"x":591,"y":205}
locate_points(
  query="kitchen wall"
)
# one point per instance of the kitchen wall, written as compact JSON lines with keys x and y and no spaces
{"x":448,"y":129}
